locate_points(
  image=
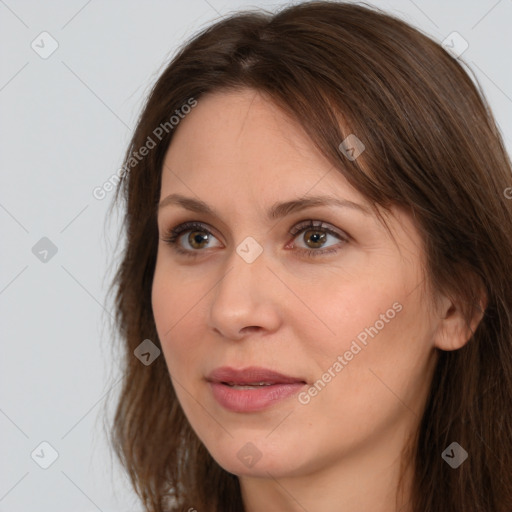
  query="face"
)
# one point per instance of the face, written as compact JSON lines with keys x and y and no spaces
{"x":296,"y":334}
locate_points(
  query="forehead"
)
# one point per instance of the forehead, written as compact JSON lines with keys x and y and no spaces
{"x":238,"y":122}
{"x":242,"y":138}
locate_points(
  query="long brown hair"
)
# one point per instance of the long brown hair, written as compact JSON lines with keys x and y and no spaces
{"x":432,"y":146}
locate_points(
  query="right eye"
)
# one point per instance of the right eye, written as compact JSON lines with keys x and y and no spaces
{"x":198,"y":238}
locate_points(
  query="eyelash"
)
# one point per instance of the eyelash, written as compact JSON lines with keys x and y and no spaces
{"x":173,"y":234}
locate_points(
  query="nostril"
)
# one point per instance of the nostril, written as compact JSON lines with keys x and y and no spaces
{"x":251,"y":328}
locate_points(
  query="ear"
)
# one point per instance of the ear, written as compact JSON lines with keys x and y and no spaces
{"x":453,"y":330}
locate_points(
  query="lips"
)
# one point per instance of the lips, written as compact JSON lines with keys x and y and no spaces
{"x":250,"y":376}
{"x":251,"y":389}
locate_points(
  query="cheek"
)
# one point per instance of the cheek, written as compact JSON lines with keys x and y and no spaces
{"x":176,"y":309}
{"x":167,"y":303}
{"x":354,"y":310}
{"x":172,"y":296}
{"x":178,"y":304}
{"x":385,"y":344}
{"x":372,"y":325}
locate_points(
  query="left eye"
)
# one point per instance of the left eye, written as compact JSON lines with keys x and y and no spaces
{"x":314,"y":237}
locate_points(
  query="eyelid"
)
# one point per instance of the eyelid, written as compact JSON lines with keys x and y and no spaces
{"x":177,"y":231}
{"x":320,"y":225}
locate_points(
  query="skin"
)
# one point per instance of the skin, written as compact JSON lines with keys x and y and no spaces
{"x":293,"y":313}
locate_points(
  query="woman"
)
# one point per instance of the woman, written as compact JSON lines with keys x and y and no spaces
{"x":319,"y":246}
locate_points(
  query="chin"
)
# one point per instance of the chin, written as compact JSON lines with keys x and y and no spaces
{"x":258,"y":459}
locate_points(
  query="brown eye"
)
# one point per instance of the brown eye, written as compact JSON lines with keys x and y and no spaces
{"x":198,"y":239}
{"x":317,"y":238}
{"x":190,"y":238}
{"x":313,"y":238}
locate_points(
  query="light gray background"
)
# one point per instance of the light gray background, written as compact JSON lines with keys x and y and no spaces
{"x":65,"y":123}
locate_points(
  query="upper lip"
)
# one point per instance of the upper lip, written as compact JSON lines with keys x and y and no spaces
{"x":250,"y":375}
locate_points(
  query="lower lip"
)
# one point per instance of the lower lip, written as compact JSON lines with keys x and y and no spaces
{"x":250,"y":400}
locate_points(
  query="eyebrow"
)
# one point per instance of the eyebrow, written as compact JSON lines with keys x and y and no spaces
{"x":276,"y":211}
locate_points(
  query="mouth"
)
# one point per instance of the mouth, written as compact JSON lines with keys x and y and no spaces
{"x":254,"y":385}
{"x":251,"y":389}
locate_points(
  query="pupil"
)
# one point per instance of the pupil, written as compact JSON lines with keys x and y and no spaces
{"x":317,"y":237}
{"x":197,"y":237}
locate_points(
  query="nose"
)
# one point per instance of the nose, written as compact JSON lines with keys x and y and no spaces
{"x":246,"y":299}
